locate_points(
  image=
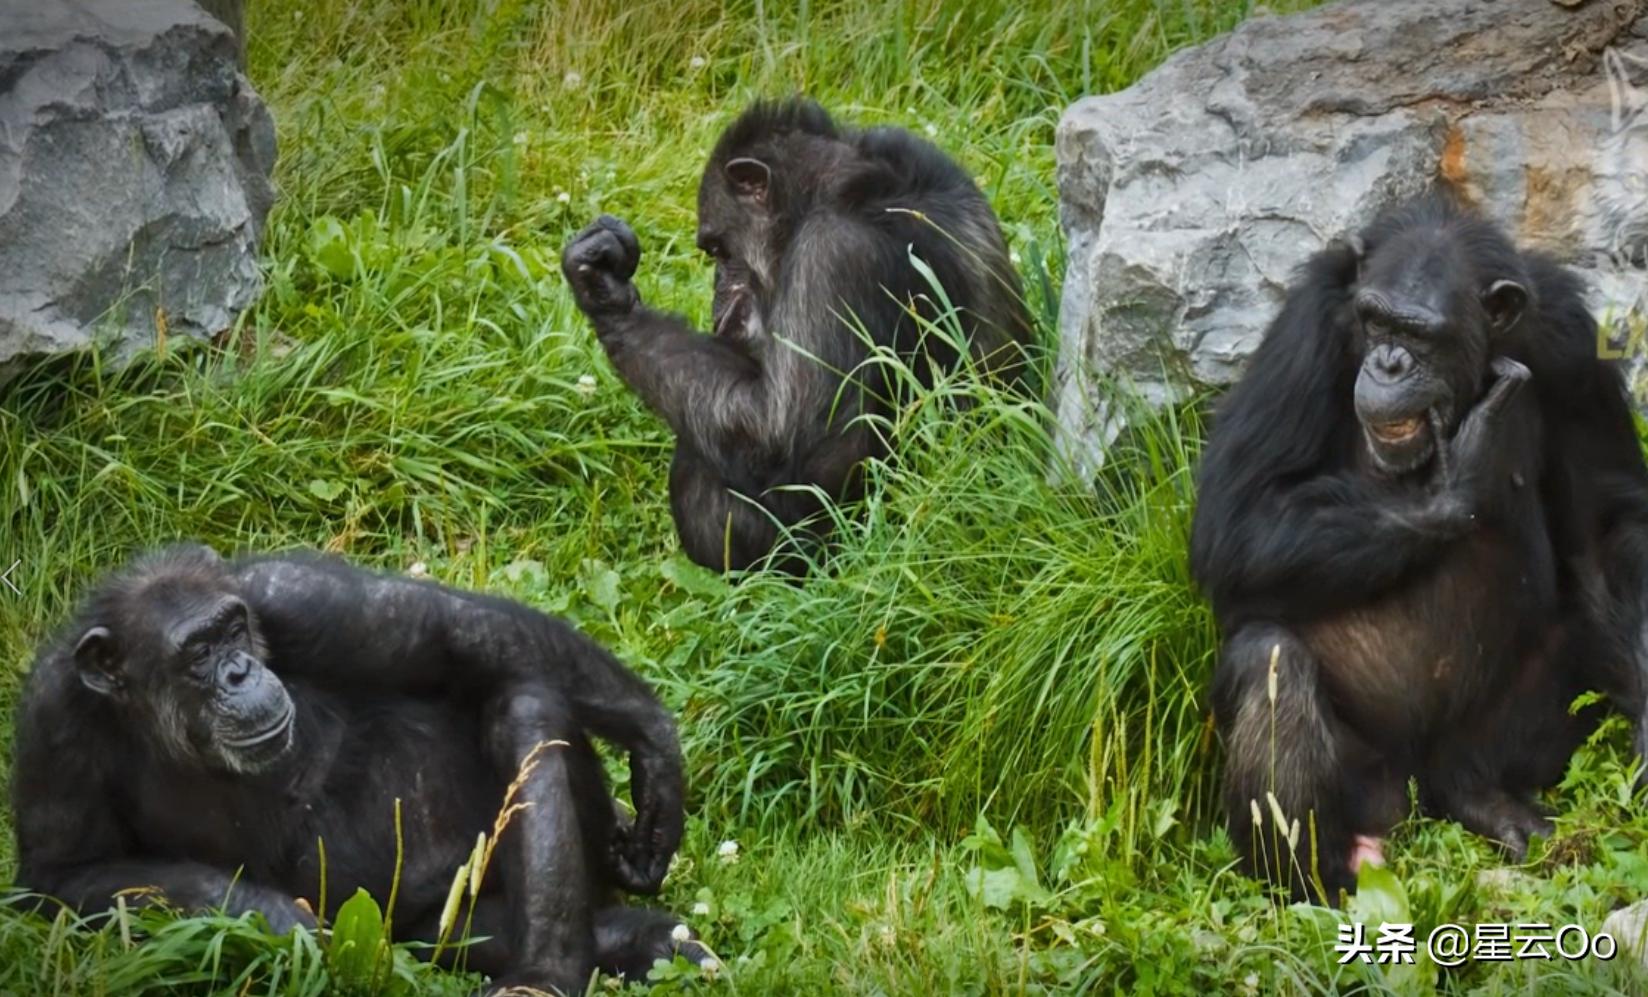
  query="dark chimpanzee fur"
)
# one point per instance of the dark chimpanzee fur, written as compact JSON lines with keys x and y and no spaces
{"x":203,"y":723}
{"x":811,"y":228}
{"x":1423,"y":524}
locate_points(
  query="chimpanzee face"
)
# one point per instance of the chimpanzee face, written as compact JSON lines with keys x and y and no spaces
{"x":1427,"y":336}
{"x":183,"y":662}
{"x":735,"y":229}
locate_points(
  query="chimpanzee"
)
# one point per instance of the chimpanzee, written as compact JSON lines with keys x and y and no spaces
{"x":1423,"y":526}
{"x":203,"y":723}
{"x":812,"y":229}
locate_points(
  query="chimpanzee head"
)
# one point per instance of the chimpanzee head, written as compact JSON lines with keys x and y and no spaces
{"x":174,"y":648}
{"x":1437,"y":292}
{"x":763,"y":165}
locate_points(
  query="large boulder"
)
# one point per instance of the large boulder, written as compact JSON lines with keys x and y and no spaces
{"x":134,"y":176}
{"x":1188,"y":199}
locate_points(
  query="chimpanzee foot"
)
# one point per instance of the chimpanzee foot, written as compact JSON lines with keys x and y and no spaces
{"x":628,"y":940}
{"x":1507,"y":820}
{"x":1515,"y":832}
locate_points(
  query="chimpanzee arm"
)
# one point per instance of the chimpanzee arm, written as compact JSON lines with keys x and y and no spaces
{"x":1323,"y":545}
{"x":743,"y":403}
{"x":355,"y":630}
{"x":190,"y":886}
{"x":70,"y":845}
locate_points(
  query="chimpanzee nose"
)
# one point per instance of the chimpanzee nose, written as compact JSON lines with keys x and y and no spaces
{"x":1391,"y":362}
{"x":237,"y":669}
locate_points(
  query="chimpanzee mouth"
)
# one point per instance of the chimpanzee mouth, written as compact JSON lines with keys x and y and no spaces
{"x":1399,"y":432}
{"x":278,"y":728}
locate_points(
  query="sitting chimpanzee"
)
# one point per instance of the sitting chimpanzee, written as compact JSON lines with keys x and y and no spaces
{"x":1423,"y":524}
{"x":202,"y":724}
{"x":812,"y":229}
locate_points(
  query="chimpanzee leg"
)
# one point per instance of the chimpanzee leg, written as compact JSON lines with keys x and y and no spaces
{"x":1483,"y":771}
{"x":628,"y":940}
{"x":719,"y":529}
{"x":544,"y":864}
{"x":1291,"y":745}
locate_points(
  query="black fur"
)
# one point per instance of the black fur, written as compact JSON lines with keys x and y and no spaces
{"x":1434,"y":623}
{"x":812,"y":228}
{"x":400,"y":689}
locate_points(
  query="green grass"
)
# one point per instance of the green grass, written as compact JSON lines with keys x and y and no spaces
{"x":971,"y":756}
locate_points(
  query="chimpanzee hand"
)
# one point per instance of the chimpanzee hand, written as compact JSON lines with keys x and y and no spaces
{"x":283,"y":915}
{"x":598,"y":263}
{"x":1469,"y":463}
{"x":641,"y":851}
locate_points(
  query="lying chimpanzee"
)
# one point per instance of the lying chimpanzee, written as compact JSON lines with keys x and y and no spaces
{"x":812,"y":229}
{"x":203,"y":723}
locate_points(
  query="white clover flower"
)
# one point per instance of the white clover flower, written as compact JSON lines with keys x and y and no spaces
{"x":728,"y":852}
{"x":563,"y":197}
{"x":680,"y":933}
{"x":711,"y":968}
{"x":520,"y":138}
{"x":697,"y":62}
{"x":586,"y":385}
{"x":1014,"y":256}
{"x":418,"y":569}
{"x":700,"y":909}
{"x":572,"y":80}
{"x":930,"y":130}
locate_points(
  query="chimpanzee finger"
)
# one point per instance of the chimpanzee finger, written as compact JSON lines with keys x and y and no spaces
{"x":1510,"y":376}
{"x":630,"y":245}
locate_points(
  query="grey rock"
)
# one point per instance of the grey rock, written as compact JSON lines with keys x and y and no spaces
{"x":134,"y":176}
{"x":1188,"y":199}
{"x":1628,"y":926}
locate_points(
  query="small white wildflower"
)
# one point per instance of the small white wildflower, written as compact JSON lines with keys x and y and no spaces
{"x":572,"y":80}
{"x":697,"y":62}
{"x":728,"y":852}
{"x":418,"y":570}
{"x":586,"y":385}
{"x":1250,"y":983}
{"x":521,"y":138}
{"x":930,"y":130}
{"x":297,"y":15}
{"x":680,"y":933}
{"x":700,"y":909}
{"x":1014,"y":256}
{"x":711,"y":968}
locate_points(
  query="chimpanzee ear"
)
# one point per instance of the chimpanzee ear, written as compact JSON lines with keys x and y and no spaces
{"x":749,"y":177}
{"x":98,"y":662}
{"x":1504,"y":301}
